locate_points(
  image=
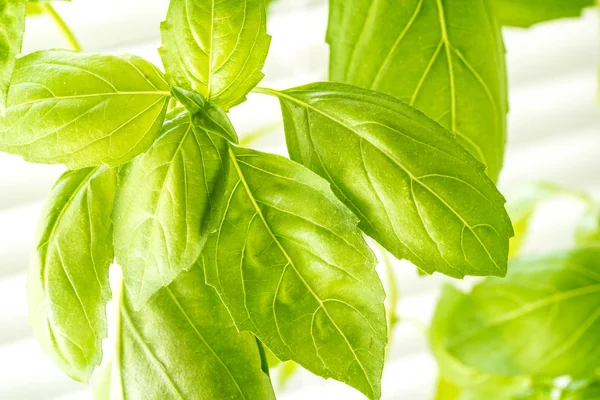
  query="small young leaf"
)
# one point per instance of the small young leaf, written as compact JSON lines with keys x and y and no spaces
{"x":162,"y":201}
{"x":542,"y":320}
{"x":216,"y":48}
{"x":68,"y":280}
{"x":183,"y":345}
{"x":524,"y":13}
{"x":83,"y":109}
{"x":444,"y":57}
{"x":416,"y":190}
{"x":12,"y":27}
{"x":292,"y":268}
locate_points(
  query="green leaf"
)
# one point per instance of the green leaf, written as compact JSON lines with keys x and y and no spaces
{"x":291,"y":266}
{"x":182,"y":345}
{"x":416,"y":190}
{"x":444,"y":57}
{"x":215,"y":48}
{"x":83,"y":109}
{"x":582,"y":390}
{"x":524,"y":13}
{"x":462,"y":381}
{"x":12,"y":27}
{"x":542,"y":320}
{"x":162,"y":201}
{"x":68,"y":280}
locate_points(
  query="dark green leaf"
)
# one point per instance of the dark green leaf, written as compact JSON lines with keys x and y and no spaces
{"x":162,"y":201}
{"x":416,"y":190}
{"x":292,"y":268}
{"x":68,"y":279}
{"x":524,"y":13}
{"x":216,"y":48}
{"x":444,"y":57}
{"x":183,"y":345}
{"x":83,"y":109}
{"x":12,"y":27}
{"x":542,"y":320}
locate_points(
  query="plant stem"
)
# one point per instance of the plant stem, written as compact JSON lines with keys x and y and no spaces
{"x":393,"y":291}
{"x":62,"y":25}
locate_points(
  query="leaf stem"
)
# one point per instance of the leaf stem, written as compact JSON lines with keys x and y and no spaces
{"x":262,"y":90}
{"x":393,"y":291}
{"x":62,"y":25}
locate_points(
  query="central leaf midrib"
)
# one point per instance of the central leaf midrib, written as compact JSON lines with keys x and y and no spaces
{"x":291,"y":263}
{"x":404,"y":168}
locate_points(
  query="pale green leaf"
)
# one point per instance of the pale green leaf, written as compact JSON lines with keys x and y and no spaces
{"x":416,"y":190}
{"x":524,"y":13}
{"x":163,"y":199}
{"x":582,"y":390}
{"x":542,"y":320}
{"x":216,"y":48}
{"x":444,"y":57}
{"x":183,"y":345}
{"x":83,"y":109}
{"x":292,"y":268}
{"x":12,"y":27}
{"x":68,"y":279}
{"x":457,"y":380}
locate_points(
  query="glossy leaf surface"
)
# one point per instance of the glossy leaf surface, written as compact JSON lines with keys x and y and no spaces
{"x":163,"y":199}
{"x":416,"y":190}
{"x":182,"y":345}
{"x":557,"y":297}
{"x":68,"y":280}
{"x":292,"y":268}
{"x":83,"y":109}
{"x":444,"y":57}
{"x":216,"y":48}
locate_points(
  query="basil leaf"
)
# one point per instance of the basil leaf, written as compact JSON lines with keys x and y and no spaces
{"x":292,"y":268}
{"x":215,"y":48}
{"x":557,"y":297}
{"x":12,"y":27}
{"x":444,"y":57}
{"x":582,"y":390}
{"x":524,"y":13}
{"x":83,"y":109}
{"x":462,"y":381}
{"x":416,"y":190}
{"x":162,"y":201}
{"x":68,"y":280}
{"x":182,"y":345}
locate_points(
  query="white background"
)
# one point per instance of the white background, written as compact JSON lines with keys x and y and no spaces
{"x":554,"y":135}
